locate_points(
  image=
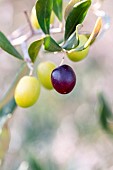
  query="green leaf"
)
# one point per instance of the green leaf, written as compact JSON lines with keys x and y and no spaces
{"x":34,"y":49}
{"x":76,"y":16}
{"x":72,"y":41}
{"x":8,"y":47}
{"x":43,"y":12}
{"x":8,"y":108}
{"x":57,"y":8}
{"x":33,"y":163}
{"x":105,"y":112}
{"x":93,"y":35}
{"x":69,"y":7}
{"x":95,"y":32}
{"x":51,"y":45}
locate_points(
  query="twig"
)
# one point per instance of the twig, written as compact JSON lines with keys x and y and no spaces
{"x":23,"y":34}
{"x":26,"y":57}
{"x":29,"y":23}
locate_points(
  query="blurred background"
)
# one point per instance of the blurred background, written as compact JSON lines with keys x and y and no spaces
{"x":61,"y":132}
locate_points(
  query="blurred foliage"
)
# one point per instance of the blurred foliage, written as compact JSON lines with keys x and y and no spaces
{"x":4,"y":136}
{"x":8,"y":108}
{"x":33,"y":163}
{"x":105,"y":114}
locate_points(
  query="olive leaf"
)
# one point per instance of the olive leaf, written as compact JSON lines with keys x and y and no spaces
{"x":43,"y":12}
{"x":69,"y":7}
{"x":72,"y":41}
{"x":8,"y":47}
{"x":34,"y":49}
{"x":93,"y":35}
{"x":57,"y":8}
{"x":76,"y":16}
{"x":51,"y":45}
{"x":95,"y":32}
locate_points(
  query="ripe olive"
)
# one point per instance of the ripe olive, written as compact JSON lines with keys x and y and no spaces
{"x":63,"y":79}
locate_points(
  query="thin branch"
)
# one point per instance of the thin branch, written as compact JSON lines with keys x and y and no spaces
{"x":26,"y":57}
{"x":29,"y":23}
{"x":23,"y":34}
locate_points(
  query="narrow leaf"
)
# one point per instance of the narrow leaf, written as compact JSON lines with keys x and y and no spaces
{"x":51,"y":45}
{"x":8,"y":47}
{"x":95,"y":32}
{"x":76,"y":16}
{"x":43,"y":12}
{"x":88,"y":35}
{"x":8,"y":108}
{"x":72,"y":41}
{"x":34,"y":49}
{"x":69,"y":7}
{"x":57,"y":8}
{"x":92,"y":36}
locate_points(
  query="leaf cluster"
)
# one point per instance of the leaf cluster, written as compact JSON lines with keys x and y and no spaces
{"x":76,"y":14}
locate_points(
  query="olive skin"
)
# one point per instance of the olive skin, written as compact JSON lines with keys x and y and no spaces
{"x":44,"y":71}
{"x":27,"y":91}
{"x":63,"y":79}
{"x":76,"y":56}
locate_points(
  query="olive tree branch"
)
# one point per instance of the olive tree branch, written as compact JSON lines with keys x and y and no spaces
{"x":26,"y":57}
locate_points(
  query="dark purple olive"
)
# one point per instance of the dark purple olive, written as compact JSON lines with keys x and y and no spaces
{"x":63,"y":79}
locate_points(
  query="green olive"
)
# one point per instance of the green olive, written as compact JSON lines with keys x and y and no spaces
{"x":44,"y":71}
{"x":27,"y":91}
{"x":79,"y":55}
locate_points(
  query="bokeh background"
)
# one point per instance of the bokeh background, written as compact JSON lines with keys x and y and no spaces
{"x":61,"y":132}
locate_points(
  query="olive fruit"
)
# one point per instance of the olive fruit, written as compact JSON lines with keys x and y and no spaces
{"x":44,"y":71}
{"x":34,"y":20}
{"x":63,"y":79}
{"x":27,"y":91}
{"x":79,"y":55}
